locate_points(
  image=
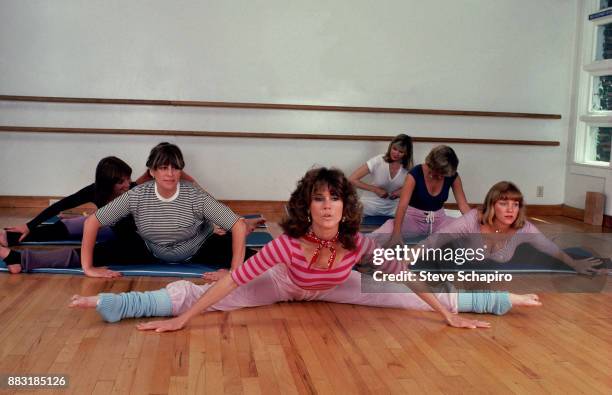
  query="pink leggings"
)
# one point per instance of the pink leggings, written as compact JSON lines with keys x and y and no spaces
{"x":416,"y":222}
{"x":275,"y":286}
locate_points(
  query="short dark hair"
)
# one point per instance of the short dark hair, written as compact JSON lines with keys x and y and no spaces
{"x":405,"y":142}
{"x":165,"y":154}
{"x":109,"y":171}
{"x":296,"y":223}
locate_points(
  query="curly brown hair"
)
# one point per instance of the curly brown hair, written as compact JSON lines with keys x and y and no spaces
{"x":296,"y":223}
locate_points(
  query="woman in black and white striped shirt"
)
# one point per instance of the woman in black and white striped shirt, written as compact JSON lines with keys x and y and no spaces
{"x":174,"y":221}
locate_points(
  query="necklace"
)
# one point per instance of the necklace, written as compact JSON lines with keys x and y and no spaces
{"x":310,"y":236}
{"x":501,"y":231}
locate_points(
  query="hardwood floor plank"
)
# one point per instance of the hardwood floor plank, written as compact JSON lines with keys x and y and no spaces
{"x":562,"y":347}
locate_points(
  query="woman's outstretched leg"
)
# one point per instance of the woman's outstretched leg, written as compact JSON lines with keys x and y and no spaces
{"x":115,"y":307}
{"x":179,"y":296}
{"x":265,"y":290}
{"x":527,"y":300}
{"x":400,"y":296}
{"x":498,"y":303}
{"x":27,"y":260}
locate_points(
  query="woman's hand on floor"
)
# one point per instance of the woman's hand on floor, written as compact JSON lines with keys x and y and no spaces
{"x":457,"y":321}
{"x":102,"y":272}
{"x":23,"y":229}
{"x":173,"y":324}
{"x":587,"y":266}
{"x":212,"y":277}
{"x":253,"y":223}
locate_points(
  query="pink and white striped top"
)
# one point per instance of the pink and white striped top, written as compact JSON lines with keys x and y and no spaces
{"x":287,"y":251}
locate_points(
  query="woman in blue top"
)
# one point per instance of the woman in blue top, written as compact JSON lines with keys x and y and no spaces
{"x":421,"y":203}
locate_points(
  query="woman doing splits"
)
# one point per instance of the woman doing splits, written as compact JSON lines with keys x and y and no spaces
{"x":174,"y":221}
{"x":421,"y":204}
{"x":388,"y":173}
{"x":312,"y":260}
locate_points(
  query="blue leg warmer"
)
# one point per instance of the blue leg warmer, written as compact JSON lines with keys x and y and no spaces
{"x":497,"y":303}
{"x":114,"y":307}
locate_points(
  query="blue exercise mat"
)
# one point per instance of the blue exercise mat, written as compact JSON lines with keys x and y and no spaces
{"x":258,"y":239}
{"x":375,"y":220}
{"x":196,"y":270}
{"x":255,"y":239}
{"x":525,"y":260}
{"x":51,"y":220}
{"x":151,"y":270}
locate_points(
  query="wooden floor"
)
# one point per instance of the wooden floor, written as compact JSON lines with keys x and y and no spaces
{"x":563,"y":347}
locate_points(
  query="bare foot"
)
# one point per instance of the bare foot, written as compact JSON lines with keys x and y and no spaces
{"x":3,"y":239}
{"x":525,"y":300}
{"x":83,"y":301}
{"x":14,"y":268}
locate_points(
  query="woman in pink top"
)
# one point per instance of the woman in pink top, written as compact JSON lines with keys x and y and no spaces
{"x":313,"y":260}
{"x":501,"y":226}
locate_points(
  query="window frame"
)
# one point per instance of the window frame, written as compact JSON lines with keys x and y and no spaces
{"x":584,"y":144}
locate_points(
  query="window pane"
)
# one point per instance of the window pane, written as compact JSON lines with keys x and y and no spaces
{"x":602,"y":93}
{"x":599,"y":142}
{"x":604,"y":42}
{"x":605,"y":4}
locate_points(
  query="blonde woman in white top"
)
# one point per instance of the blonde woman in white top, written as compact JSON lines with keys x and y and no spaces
{"x":388,"y":172}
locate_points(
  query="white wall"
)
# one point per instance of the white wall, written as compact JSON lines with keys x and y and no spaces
{"x":506,"y":55}
{"x":581,"y":178}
